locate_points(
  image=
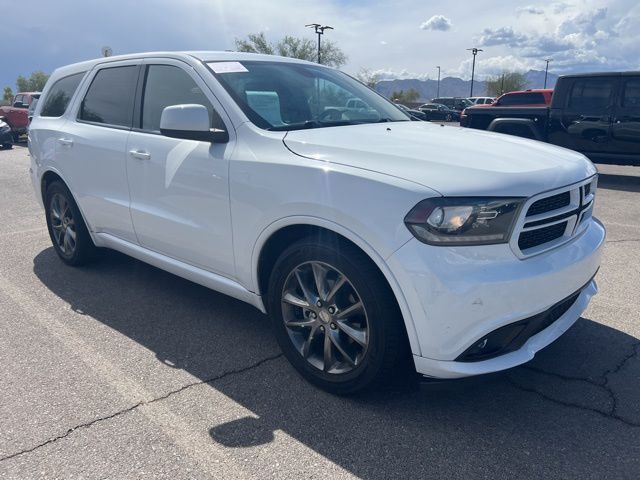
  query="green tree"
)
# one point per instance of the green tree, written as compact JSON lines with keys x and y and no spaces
{"x":507,"y":82}
{"x":294,"y":47}
{"x":35,"y":83}
{"x":403,"y":97}
{"x":368,"y":77}
{"x":7,"y":96}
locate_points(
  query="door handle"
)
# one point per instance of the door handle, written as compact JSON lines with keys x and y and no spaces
{"x":66,"y":142}
{"x":140,"y":154}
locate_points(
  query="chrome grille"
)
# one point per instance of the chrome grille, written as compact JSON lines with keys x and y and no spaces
{"x":553,"y":218}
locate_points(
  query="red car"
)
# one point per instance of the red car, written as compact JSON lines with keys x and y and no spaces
{"x":524,"y":98}
{"x":17,"y":114}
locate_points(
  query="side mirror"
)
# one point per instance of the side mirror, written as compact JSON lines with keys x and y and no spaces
{"x":190,"y":122}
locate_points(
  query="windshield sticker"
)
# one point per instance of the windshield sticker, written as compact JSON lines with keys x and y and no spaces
{"x":227,"y":67}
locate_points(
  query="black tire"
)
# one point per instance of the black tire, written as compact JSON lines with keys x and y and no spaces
{"x":7,"y":146}
{"x":83,"y":250}
{"x":16,"y":137}
{"x":387,"y":355}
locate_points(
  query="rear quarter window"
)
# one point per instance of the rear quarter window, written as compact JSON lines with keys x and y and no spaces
{"x":60,"y":95}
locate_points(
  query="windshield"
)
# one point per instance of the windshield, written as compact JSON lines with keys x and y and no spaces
{"x":290,"y":96}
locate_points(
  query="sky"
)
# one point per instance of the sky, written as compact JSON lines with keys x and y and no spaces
{"x":399,"y":38}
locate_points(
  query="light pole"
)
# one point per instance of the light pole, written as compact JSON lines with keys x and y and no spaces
{"x":438,"y":94}
{"x":546,"y":71}
{"x":474,"y":51}
{"x":319,"y":29}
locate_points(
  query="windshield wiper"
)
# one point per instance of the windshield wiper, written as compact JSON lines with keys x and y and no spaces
{"x":313,"y":124}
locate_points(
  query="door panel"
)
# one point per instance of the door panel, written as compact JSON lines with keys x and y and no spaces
{"x":625,"y":130}
{"x":91,"y":149}
{"x":585,"y":123}
{"x":179,"y":188}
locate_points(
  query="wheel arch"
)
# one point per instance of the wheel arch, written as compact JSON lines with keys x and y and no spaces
{"x":279,"y":235}
{"x":51,"y":175}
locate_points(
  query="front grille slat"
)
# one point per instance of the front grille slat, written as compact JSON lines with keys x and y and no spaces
{"x":549,"y":221}
{"x":549,"y":204}
{"x":533,"y":238}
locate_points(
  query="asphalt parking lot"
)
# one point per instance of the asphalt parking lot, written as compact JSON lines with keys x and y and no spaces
{"x":120,"y":370}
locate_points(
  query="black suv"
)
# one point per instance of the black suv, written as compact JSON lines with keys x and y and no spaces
{"x":454,"y":103}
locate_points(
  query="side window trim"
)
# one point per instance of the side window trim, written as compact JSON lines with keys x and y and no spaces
{"x":86,"y":91}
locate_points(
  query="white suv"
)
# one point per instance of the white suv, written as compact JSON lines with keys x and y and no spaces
{"x":369,"y":239}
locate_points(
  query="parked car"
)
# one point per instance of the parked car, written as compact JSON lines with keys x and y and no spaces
{"x":524,"y":98}
{"x":596,"y":114}
{"x":417,"y":114}
{"x":481,"y":100}
{"x":6,"y":138}
{"x":16,"y":115}
{"x":376,"y":246}
{"x":436,"y":111}
{"x":454,"y":103}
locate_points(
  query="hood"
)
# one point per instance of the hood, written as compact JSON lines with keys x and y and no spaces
{"x":454,"y":161}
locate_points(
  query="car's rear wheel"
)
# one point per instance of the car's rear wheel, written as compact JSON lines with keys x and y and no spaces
{"x":68,"y":232}
{"x":335,"y":317}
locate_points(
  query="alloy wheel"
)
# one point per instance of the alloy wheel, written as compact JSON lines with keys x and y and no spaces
{"x":325,"y":317}
{"x":63,"y":224}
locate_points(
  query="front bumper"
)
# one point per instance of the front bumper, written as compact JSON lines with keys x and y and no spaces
{"x":457,"y":295}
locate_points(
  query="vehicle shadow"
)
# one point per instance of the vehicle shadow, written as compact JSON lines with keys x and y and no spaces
{"x":525,"y":422}
{"x":627,"y":183}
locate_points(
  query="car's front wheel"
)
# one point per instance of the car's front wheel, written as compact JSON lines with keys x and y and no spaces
{"x":68,"y":232}
{"x":335,"y":317}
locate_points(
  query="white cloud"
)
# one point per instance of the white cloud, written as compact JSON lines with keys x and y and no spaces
{"x":437,"y":22}
{"x":531,"y":10}
{"x":501,"y":36}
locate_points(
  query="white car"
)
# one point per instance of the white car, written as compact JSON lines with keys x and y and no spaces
{"x":481,"y":100}
{"x":376,"y":245}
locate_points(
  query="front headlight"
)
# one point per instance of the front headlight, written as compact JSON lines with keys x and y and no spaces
{"x":463,"y":220}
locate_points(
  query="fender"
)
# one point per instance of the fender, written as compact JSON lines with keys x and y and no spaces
{"x":353,"y":237}
{"x":497,"y":123}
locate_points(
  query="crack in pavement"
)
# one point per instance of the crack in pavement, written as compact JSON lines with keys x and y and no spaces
{"x":143,"y":403}
{"x":604,"y":385}
{"x":623,"y":240}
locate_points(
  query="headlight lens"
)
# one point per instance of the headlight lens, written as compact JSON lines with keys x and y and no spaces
{"x":463,"y":220}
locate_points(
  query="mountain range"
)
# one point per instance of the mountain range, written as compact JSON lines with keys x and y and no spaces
{"x":454,"y":86}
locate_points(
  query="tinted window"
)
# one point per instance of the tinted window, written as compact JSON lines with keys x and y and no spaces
{"x":60,"y":95}
{"x":17,"y":100}
{"x":523,"y":99}
{"x":631,"y":93}
{"x":591,"y":93}
{"x":166,"y":85}
{"x":109,"y":99}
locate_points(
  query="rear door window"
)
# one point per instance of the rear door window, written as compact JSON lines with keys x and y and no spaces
{"x":631,"y":93}
{"x":60,"y":95}
{"x":109,"y":100}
